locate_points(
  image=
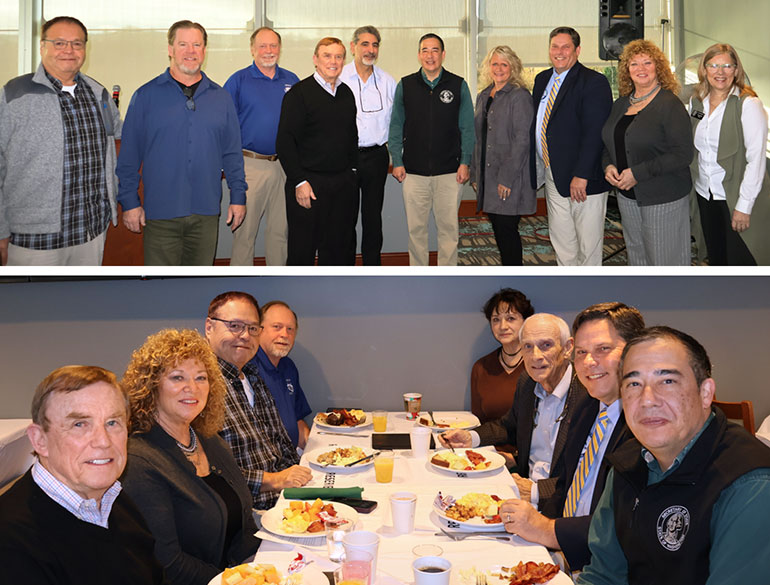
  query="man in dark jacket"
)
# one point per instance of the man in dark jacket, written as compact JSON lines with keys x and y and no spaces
{"x":572,"y":103}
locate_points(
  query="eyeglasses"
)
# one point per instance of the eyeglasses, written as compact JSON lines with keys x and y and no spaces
{"x":61,"y":44}
{"x":715,"y":66}
{"x":237,"y":327}
{"x":373,"y":103}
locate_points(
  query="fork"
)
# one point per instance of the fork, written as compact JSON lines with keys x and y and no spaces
{"x":481,"y":579}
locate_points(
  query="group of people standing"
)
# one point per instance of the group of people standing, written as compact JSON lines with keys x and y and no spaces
{"x":306,"y":155}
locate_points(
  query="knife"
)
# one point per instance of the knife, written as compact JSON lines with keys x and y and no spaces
{"x":342,"y":434}
{"x":362,"y":459}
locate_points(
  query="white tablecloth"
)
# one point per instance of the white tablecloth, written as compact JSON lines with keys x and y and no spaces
{"x":15,"y":449}
{"x":395,"y":552}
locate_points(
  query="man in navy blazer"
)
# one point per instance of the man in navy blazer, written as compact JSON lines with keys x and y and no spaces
{"x":601,"y":332}
{"x":566,"y":150}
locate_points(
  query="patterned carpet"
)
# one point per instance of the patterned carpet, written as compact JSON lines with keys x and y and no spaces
{"x":477,"y":245}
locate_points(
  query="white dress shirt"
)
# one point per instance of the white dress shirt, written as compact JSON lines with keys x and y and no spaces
{"x":710,"y":174}
{"x":325,"y":84}
{"x":541,"y":107}
{"x":374,"y":103}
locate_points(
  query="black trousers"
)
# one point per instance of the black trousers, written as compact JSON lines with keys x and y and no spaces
{"x":328,"y":227}
{"x":372,"y":173}
{"x":506,"y":229}
{"x":724,"y":245}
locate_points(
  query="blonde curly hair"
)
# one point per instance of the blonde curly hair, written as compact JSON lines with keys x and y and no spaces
{"x":508,"y":55}
{"x":662,"y":68}
{"x":159,"y":353}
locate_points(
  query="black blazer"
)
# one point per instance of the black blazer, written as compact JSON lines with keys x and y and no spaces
{"x":186,"y":517}
{"x":574,"y":128}
{"x":659,"y":148}
{"x":572,"y":533}
{"x":517,"y":425}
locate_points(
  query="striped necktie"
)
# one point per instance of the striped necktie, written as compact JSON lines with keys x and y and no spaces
{"x":546,"y":117}
{"x":585,"y":464}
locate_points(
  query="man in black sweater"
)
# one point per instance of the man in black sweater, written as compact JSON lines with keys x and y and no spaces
{"x":317,"y":144}
{"x":66,"y":521}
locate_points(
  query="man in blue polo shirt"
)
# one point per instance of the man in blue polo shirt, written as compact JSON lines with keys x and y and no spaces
{"x":279,"y":330}
{"x":182,"y":130}
{"x":258,"y":92}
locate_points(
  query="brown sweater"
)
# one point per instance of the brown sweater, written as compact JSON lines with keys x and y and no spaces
{"x":492,"y":389}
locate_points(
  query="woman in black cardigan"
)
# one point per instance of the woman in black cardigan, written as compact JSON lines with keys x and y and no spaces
{"x":180,"y":473}
{"x":647,"y":153}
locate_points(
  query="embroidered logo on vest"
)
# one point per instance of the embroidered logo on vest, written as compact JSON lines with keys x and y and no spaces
{"x":446,"y":96}
{"x":673,"y":524}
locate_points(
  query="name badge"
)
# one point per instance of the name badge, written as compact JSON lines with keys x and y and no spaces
{"x":698,"y":115}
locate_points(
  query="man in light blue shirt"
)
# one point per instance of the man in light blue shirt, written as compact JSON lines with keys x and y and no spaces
{"x":601,"y":332}
{"x":373,"y":89}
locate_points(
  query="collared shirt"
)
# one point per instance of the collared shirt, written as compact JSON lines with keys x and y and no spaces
{"x":182,"y":146}
{"x":258,"y":100}
{"x":255,"y":434}
{"x":283,"y":383}
{"x":86,"y":510}
{"x":711,"y":175}
{"x":374,"y":103}
{"x":548,"y":415}
{"x":325,"y":84}
{"x":465,"y":122}
{"x":739,"y":514}
{"x":85,"y":208}
{"x":543,"y":101}
{"x":614,"y":411}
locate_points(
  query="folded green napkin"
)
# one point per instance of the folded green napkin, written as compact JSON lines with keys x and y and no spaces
{"x":323,"y":493}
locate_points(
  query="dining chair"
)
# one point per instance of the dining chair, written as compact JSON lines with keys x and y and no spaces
{"x":743,"y":411}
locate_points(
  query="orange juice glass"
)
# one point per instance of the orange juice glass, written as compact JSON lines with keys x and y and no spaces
{"x":383,"y":467}
{"x":380,"y":419}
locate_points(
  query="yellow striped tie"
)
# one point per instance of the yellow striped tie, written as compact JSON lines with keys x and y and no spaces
{"x":546,"y":117}
{"x":585,"y":464}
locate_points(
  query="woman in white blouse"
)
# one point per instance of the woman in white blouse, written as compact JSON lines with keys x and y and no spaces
{"x":729,"y":171}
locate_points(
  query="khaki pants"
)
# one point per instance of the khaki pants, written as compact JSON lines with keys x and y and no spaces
{"x":576,"y":229}
{"x":265,"y":197}
{"x":88,"y":254}
{"x":441,"y":193}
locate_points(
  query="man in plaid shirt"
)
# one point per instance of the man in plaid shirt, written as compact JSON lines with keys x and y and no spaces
{"x":57,"y":157}
{"x":253,"y":427}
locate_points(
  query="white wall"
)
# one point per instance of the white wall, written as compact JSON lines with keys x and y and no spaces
{"x":365,"y":340}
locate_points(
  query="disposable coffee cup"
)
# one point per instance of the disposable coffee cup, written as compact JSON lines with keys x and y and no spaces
{"x":412,"y":402}
{"x":402,"y":509}
{"x":419,"y":437}
{"x":431,"y":571}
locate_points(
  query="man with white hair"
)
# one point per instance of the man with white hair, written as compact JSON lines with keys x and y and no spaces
{"x":277,"y":369}
{"x":551,"y":409}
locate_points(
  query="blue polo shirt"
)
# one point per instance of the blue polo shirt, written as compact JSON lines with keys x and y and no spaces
{"x":182,"y":150}
{"x":258,"y":100}
{"x":283,"y":383}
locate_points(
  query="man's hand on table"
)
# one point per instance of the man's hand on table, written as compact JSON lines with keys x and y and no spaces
{"x":294,"y":476}
{"x":455,"y":438}
{"x":525,"y":487}
{"x":520,"y":517}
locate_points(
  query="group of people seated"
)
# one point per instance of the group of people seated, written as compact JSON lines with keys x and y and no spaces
{"x":620,"y":460}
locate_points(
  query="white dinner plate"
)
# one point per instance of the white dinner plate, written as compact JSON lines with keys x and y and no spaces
{"x":473,"y":525}
{"x":312,"y":458}
{"x":310,"y":574}
{"x":456,"y":420}
{"x":272,"y":520}
{"x":496,"y":461}
{"x":322,"y":423}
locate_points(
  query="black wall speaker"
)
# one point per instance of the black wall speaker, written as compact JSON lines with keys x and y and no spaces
{"x":620,"y":22}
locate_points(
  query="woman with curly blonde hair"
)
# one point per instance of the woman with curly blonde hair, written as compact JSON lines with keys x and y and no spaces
{"x":180,"y":473}
{"x":500,"y":164}
{"x":730,"y":171}
{"x":647,"y":153}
